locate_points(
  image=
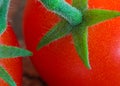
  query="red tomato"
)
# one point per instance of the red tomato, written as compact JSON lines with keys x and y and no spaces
{"x":58,"y":63}
{"x":13,"y":66}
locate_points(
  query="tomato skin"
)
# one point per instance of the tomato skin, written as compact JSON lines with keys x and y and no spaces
{"x":13,"y":66}
{"x":58,"y":63}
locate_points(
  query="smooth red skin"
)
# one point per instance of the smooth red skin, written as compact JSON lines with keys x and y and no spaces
{"x":58,"y":63}
{"x":14,"y":65}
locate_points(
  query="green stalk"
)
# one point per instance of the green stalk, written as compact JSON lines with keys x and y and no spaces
{"x":62,"y":8}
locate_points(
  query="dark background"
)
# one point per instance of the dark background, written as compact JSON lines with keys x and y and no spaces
{"x":30,"y":76}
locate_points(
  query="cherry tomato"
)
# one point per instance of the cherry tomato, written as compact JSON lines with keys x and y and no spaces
{"x":59,"y":64}
{"x":13,"y":65}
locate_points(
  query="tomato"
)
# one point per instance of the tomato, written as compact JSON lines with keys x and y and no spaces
{"x":59,"y":64}
{"x":13,"y":65}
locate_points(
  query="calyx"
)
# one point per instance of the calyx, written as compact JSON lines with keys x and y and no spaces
{"x":79,"y":31}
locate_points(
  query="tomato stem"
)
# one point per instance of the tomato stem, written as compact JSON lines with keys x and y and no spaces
{"x":62,"y":8}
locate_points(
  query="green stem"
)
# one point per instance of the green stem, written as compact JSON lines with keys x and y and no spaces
{"x":62,"y":8}
{"x":4,"y":4}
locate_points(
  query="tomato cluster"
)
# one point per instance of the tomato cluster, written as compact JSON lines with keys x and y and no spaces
{"x":59,"y":63}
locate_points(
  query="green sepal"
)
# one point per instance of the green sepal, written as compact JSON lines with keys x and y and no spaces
{"x":80,"y":37}
{"x":1,"y":3}
{"x":3,"y":15}
{"x":82,"y":5}
{"x":5,"y":76}
{"x":95,"y":16}
{"x":12,"y":52}
{"x":58,"y":31}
